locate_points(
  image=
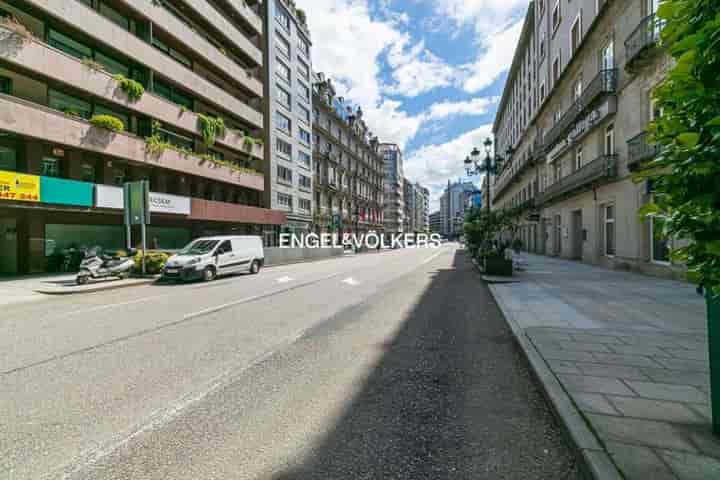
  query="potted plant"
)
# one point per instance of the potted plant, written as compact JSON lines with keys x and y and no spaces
{"x":684,"y":174}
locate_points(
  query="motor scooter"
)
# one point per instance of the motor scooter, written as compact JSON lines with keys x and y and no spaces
{"x":97,"y":266}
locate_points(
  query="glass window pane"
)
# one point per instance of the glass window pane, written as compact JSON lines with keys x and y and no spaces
{"x":167,"y":238}
{"x":63,"y":239}
{"x":6,"y":85}
{"x":50,"y":167}
{"x":8,"y":159}
{"x":112,"y":65}
{"x":68,"y":45}
{"x":69,"y":104}
{"x":114,"y":16}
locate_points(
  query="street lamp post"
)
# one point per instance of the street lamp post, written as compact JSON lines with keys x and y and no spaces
{"x":488,"y":166}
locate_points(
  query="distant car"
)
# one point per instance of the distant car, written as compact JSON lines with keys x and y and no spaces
{"x":208,"y":257}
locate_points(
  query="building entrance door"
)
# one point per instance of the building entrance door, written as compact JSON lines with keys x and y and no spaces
{"x":577,"y":235}
{"x":8,"y":246}
{"x":557,"y":237}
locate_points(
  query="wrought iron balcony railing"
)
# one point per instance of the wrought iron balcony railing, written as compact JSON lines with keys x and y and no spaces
{"x":639,"y":150}
{"x":603,"y":84}
{"x":601,"y":169}
{"x":646,"y":35}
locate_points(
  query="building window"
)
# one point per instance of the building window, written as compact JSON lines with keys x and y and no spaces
{"x":607,"y":57}
{"x":556,"y":17}
{"x":283,"y":97}
{"x":284,"y":174}
{"x":282,"y":70}
{"x":283,"y":147}
{"x":304,"y":136}
{"x":304,"y":158}
{"x":609,"y":214}
{"x":305,"y":182}
{"x":303,"y":69}
{"x":304,"y":91}
{"x":87,"y":172}
{"x":304,"y":114}
{"x":169,"y":92}
{"x":68,"y":45}
{"x":542,"y":91}
{"x":50,"y":167}
{"x":304,"y":204}
{"x":578,"y":157}
{"x":304,"y":46}
{"x":282,"y":44}
{"x":285,"y":201}
{"x":69,"y":105}
{"x":610,"y":140}
{"x":6,"y":85}
{"x":282,"y":123}
{"x":556,"y":68}
{"x":575,"y":35}
{"x":8,"y":159}
{"x":171,"y":52}
{"x":542,"y":45}
{"x":282,"y":16}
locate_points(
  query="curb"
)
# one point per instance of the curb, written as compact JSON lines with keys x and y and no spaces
{"x":594,"y":461}
{"x":93,"y":289}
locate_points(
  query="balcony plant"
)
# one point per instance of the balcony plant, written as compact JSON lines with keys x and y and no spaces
{"x":93,"y":64}
{"x":685,"y":173}
{"x":133,"y":89}
{"x":211,"y":128}
{"x":17,"y":28}
{"x":107,"y":122}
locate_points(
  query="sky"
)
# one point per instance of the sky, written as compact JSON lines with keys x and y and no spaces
{"x":428,"y":73}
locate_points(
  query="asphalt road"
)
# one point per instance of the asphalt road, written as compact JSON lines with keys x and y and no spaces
{"x":395,"y":365}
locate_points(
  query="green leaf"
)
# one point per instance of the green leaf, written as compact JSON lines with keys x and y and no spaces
{"x":714,"y":247}
{"x":667,"y":10}
{"x":649,"y":209}
{"x":689,"y":139}
{"x":715,"y":122}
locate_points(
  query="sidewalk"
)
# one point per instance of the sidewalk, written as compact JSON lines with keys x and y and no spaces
{"x":37,"y":287}
{"x":623,"y":359}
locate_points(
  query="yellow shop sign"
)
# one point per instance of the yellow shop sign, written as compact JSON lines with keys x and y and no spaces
{"x":19,"y":187}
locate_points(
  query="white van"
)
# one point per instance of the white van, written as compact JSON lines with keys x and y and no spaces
{"x":206,"y":258}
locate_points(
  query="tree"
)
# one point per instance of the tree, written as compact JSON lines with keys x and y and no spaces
{"x":686,"y":173}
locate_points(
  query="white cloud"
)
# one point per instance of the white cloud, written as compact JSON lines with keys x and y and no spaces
{"x":495,"y":59}
{"x":433,"y":165}
{"x":475,"y":106}
{"x":416,"y":70}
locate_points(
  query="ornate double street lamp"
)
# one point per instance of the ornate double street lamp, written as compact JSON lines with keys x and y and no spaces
{"x":488,"y":166}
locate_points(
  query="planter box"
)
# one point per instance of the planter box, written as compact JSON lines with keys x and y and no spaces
{"x":498,"y":266}
{"x":713,"y":311}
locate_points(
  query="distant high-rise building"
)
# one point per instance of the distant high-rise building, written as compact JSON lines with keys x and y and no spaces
{"x":436,"y":222}
{"x":453,"y":205}
{"x":394,"y":204}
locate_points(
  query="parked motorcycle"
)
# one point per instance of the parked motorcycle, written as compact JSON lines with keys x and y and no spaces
{"x":97,"y":266}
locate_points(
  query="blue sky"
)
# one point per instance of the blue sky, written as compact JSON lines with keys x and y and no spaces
{"x":427,"y":73}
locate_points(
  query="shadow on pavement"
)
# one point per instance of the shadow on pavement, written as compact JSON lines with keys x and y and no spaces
{"x":452,"y":397}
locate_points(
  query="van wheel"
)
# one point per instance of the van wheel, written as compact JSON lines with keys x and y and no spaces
{"x":255,"y":267}
{"x":209,"y":274}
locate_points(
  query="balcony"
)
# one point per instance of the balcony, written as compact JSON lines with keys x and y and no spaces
{"x":35,"y":121}
{"x":644,"y":37}
{"x":605,"y":83}
{"x":60,"y":67}
{"x":100,"y":28}
{"x":640,"y":150}
{"x":599,"y":170}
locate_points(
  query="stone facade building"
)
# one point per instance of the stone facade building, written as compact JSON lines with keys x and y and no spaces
{"x":571,"y":129}
{"x":349,"y":169}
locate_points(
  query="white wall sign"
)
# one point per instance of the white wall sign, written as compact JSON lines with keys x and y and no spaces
{"x":112,"y":197}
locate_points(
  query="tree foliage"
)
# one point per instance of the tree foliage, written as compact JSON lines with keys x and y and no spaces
{"x":490,"y":233}
{"x":686,"y":173}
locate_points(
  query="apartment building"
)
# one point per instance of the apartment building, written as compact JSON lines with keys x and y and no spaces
{"x":394,"y":206}
{"x":95,"y":93}
{"x":288,"y":118}
{"x":453,"y":206}
{"x":570,"y":145}
{"x":416,"y":207}
{"x":435,"y":222}
{"x":348,"y":185}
